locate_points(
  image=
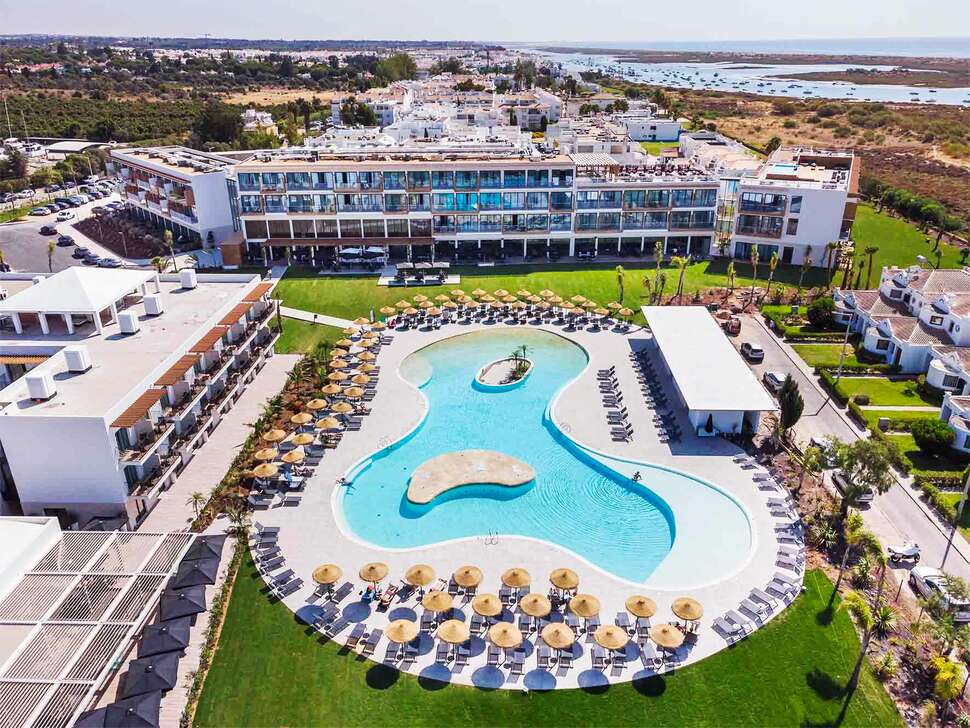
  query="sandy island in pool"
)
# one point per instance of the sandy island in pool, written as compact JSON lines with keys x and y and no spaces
{"x":466,"y":467}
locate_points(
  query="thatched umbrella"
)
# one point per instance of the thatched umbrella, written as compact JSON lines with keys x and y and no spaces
{"x":505,"y":635}
{"x":419,"y":575}
{"x":487,"y":605}
{"x":640,"y":606}
{"x":687,"y":608}
{"x":564,"y":578}
{"x":437,"y":601}
{"x":516,"y":578}
{"x":327,"y":574}
{"x":535,"y":605}
{"x":453,"y":631}
{"x":558,"y":635}
{"x":274,"y":435}
{"x":611,"y":637}
{"x":301,"y":418}
{"x":585,"y":605}
{"x":374,"y":571}
{"x":266,"y":453}
{"x":666,"y":636}
{"x":401,"y":631}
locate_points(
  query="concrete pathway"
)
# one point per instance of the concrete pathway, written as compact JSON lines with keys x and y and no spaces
{"x":902,"y":408}
{"x":212,"y":460}
{"x":314,"y":318}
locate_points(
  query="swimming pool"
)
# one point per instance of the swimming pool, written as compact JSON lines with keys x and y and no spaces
{"x":578,"y":501}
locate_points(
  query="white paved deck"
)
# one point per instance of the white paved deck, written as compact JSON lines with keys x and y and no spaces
{"x":311,"y":533}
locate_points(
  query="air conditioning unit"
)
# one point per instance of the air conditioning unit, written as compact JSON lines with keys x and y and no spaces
{"x":153,"y":305}
{"x":36,"y":279}
{"x":78,"y":358}
{"x":129,"y":323}
{"x":40,"y":386}
{"x":188,"y":278}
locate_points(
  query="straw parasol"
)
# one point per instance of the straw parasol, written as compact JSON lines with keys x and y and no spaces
{"x":327,"y":574}
{"x":666,"y":636}
{"x":402,"y":304}
{"x":516,"y":577}
{"x":558,"y":635}
{"x":420,"y":298}
{"x":472,"y":304}
{"x":508,"y":298}
{"x":505,"y":634}
{"x":317,"y":404}
{"x":578,"y":299}
{"x":328,"y":423}
{"x":640,"y":606}
{"x":377,"y":326}
{"x":360,"y":379}
{"x":544,"y":304}
{"x":330,"y":389}
{"x":568,"y":305}
{"x":687,"y":608}
{"x":437,"y":601}
{"x":274,"y":435}
{"x":535,"y":605}
{"x":425,"y":304}
{"x":611,"y":637}
{"x":441,"y":298}
{"x":449,"y":305}
{"x":546,"y":293}
{"x":342,"y":408}
{"x":488,"y":605}
{"x":367,"y":356}
{"x":433,"y":311}
{"x":453,"y":631}
{"x":374,"y":571}
{"x":265,"y":470}
{"x":388,"y":310}
{"x":589,"y":304}
{"x":344,"y":343}
{"x":354,"y":392}
{"x":267,"y":453}
{"x":585,"y":605}
{"x":303,"y":438}
{"x":338,"y":353}
{"x":349,"y":331}
{"x":478,"y":292}
{"x":401,"y":631}
{"x":468,"y":576}
{"x":301,"y":418}
{"x":339,"y":363}
{"x":625,"y":312}
{"x":500,"y":293}
{"x":419,"y":575}
{"x":564,"y":578}
{"x":361,"y":321}
{"x":336,"y":376}
{"x":410,"y":311}
{"x":533,"y":299}
{"x":294,"y":456}
{"x":614,"y":306}
{"x":364,"y":368}
{"x":465,"y":300}
{"x":457,"y":292}
{"x":601,"y":311}
{"x":523,"y":293}
{"x":554,"y":299}
{"x":487,"y":298}
{"x":518,"y":305}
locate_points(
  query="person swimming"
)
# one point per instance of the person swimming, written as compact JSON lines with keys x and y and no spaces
{"x":637,"y":477}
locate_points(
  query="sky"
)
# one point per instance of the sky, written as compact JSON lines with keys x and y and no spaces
{"x":495,"y":20}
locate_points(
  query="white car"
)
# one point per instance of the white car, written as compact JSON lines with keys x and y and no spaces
{"x":926,"y":581}
{"x":64,"y":215}
{"x":773,"y":380}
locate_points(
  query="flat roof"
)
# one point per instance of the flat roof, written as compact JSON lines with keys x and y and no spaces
{"x":77,"y":290}
{"x":709,"y":372}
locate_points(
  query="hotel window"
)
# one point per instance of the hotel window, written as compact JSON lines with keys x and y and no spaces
{"x":466,"y":180}
{"x":442,"y":180}
{"x":586,"y":200}
{"x":586,"y":221}
{"x":303,"y":229}
{"x":491,"y":179}
{"x":634,"y":199}
{"x":609,"y":199}
{"x":326,"y":228}
{"x":538,"y":178}
{"x":514,"y":178}
{"x":250,"y":204}
{"x":467,"y":223}
{"x":419,"y":202}
{"x":397,"y":228}
{"x":562,"y":178}
{"x":255,"y":229}
{"x":351,"y":229}
{"x":371,"y":180}
{"x":513,"y":223}
{"x":325,"y":203}
{"x":796,"y":204}
{"x":395,"y":202}
{"x":248,"y":181}
{"x":561,"y":200}
{"x":372,"y":203}
{"x":658,"y":198}
{"x":297,"y":180}
{"x":951,"y":382}
{"x":490,"y":201}
{"x":300,"y":203}
{"x":762,"y":202}
{"x":419,"y":180}
{"x":348,"y":203}
{"x":560,"y":221}
{"x":608,"y":221}
{"x":538,"y":222}
{"x":280,"y":229}
{"x":274,"y":203}
{"x":683,"y":198}
{"x":882,"y":344}
{"x":322,"y":180}
{"x":632,"y":220}
{"x":444,"y":223}
{"x":345,"y":180}
{"x":702,"y":219}
{"x":271,"y":180}
{"x":513,"y":200}
{"x":394,"y":180}
{"x":705,"y":198}
{"x":466,"y":201}
{"x":936,"y":320}
{"x":792,"y":228}
{"x":420,"y":228}
{"x":655,"y":220}
{"x":373,"y":228}
{"x":537,"y":200}
{"x":490,"y":223}
{"x":443,"y":201}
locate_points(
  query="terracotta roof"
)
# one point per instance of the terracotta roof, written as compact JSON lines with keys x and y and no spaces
{"x":139,"y":408}
{"x":23,"y":358}
{"x":208,"y":341}
{"x":237,"y":312}
{"x":876,"y":304}
{"x":175,"y":372}
{"x":960,"y":303}
{"x":914,"y":331}
{"x":962,"y":402}
{"x":938,"y":281}
{"x":962,"y":353}
{"x":258,"y":292}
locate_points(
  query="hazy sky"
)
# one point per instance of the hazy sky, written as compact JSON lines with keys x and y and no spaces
{"x":498,"y":20}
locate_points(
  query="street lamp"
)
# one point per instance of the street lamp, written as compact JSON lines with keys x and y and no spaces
{"x":956,"y":520}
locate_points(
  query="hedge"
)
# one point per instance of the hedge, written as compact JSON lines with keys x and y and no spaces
{"x":829,"y":382}
{"x":864,"y":369}
{"x":855,"y":412}
{"x":895,"y":454}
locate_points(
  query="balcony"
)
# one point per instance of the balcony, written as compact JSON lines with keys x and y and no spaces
{"x":772,"y":208}
{"x":757,"y":232}
{"x":148,"y":442}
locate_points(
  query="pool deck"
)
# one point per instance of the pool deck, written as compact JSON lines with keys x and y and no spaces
{"x":451,"y":470}
{"x":312,"y":533}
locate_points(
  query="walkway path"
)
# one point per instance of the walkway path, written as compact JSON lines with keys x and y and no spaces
{"x":212,"y":460}
{"x":902,"y":408}
{"x":314,"y":318}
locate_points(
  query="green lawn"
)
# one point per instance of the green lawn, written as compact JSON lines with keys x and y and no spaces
{"x":825,"y":355}
{"x":872,"y":416}
{"x":655,"y":148}
{"x":300,"y":337}
{"x":15,"y":213}
{"x":885,"y":392}
{"x":898,"y":241}
{"x":921,"y":462}
{"x":270,"y":670}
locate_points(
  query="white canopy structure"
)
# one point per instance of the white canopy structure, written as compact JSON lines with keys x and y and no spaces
{"x":719,"y":390}
{"x":76,"y":291}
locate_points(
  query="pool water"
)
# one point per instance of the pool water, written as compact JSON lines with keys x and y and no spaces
{"x":575,"y":501}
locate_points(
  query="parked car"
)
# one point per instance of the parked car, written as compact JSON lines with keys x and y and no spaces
{"x":9,"y":197}
{"x":752,"y":351}
{"x":927,"y":582}
{"x":109,"y":263}
{"x":80,"y":252}
{"x":827,"y":448}
{"x":842,"y":483}
{"x":65,"y":240}
{"x":91,"y":259}
{"x":53,"y":188}
{"x":732,"y":327}
{"x":64,"y":215}
{"x":773,"y":380}
{"x":40,"y":211}
{"x":91,"y":179}
{"x":48,"y":230}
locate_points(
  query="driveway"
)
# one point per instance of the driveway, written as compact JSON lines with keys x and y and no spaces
{"x":895,"y":516}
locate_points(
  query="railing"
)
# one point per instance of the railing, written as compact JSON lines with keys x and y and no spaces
{"x":756,"y":232}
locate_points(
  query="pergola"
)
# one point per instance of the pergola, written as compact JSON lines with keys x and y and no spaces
{"x":76,"y":291}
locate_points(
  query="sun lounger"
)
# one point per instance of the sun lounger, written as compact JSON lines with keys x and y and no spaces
{"x":505,"y":595}
{"x":391,"y":653}
{"x":518,"y":660}
{"x":342,"y":592}
{"x":461,"y":657}
{"x":599,"y":658}
{"x":543,"y":658}
{"x":336,"y":627}
{"x":265,"y":530}
{"x":325,"y":616}
{"x":764,"y":597}
{"x":649,"y":657}
{"x":441,"y":653}
{"x":494,"y":655}
{"x":755,"y":609}
{"x":271,"y":564}
{"x":565,"y":660}
{"x":619,"y":662}
{"x":267,"y":554}
{"x":730,"y":632}
{"x":786,"y":579}
{"x":572,"y":621}
{"x":372,"y":639}
{"x":355,"y":634}
{"x":643,"y":627}
{"x":281,"y":578}
{"x":427,"y":620}
{"x":788,"y":563}
{"x":525,"y":623}
{"x":623,"y":620}
{"x":289,"y":587}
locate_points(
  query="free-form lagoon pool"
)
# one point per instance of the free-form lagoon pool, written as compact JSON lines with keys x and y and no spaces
{"x":576,"y":500}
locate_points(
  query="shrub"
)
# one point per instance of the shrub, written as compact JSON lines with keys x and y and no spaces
{"x":820,"y":312}
{"x":861,"y":399}
{"x":933,"y":437}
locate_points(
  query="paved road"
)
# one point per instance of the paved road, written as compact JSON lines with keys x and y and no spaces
{"x":897,"y":515}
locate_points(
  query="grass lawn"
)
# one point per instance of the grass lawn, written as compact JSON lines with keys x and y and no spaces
{"x":655,"y":148}
{"x":883,"y":391}
{"x":898,"y":241}
{"x":825,"y":355}
{"x":928,"y":463}
{"x":872,"y":416}
{"x":300,"y":337}
{"x":269,"y":670}
{"x":15,"y":213}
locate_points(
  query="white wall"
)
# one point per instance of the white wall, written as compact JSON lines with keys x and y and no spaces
{"x":652,"y":130}
{"x":212,"y":205}
{"x":23,"y":542}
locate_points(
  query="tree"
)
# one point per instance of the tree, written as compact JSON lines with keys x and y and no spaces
{"x":772,"y":265}
{"x":658,"y":255}
{"x":681,"y":264}
{"x":933,"y":437}
{"x":812,"y":462}
{"x":620,"y":273}
{"x":196,"y":500}
{"x":772,"y":145}
{"x":806,"y":264}
{"x":856,"y":605}
{"x":51,"y":247}
{"x":870,"y":251}
{"x":397,"y":67}
{"x":621,"y":105}
{"x":947,"y":683}
{"x":821,"y":312}
{"x":167,"y":237}
{"x":571,"y":86}
{"x":831,"y":259}
{"x":853,"y":530}
{"x":731,"y":276}
{"x":790,"y":403}
{"x":218,"y":122}
{"x":354,"y":113}
{"x":866,"y":466}
{"x":754,"y":271}
{"x":158,"y":263}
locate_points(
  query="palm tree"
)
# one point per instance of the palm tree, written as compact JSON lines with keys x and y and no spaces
{"x":806,"y":264}
{"x":167,"y":237}
{"x":812,"y":462}
{"x":731,"y":276}
{"x":658,"y":254}
{"x":196,"y":500}
{"x":619,"y":280}
{"x":158,"y":263}
{"x":772,"y":265}
{"x":754,"y":270}
{"x":853,"y":533}
{"x":871,"y":250}
{"x":856,"y":605}
{"x":51,"y":247}
{"x":831,"y":259}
